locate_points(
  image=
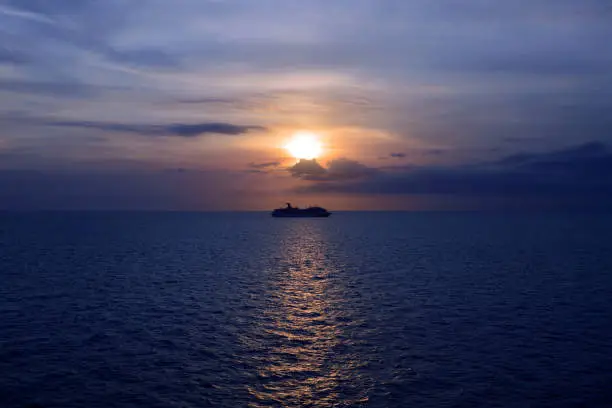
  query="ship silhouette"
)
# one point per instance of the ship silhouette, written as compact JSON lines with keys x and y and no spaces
{"x":290,"y":211}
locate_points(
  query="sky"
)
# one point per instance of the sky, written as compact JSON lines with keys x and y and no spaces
{"x":419,"y":104}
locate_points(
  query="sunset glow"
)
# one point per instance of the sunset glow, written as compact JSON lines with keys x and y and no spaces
{"x":242,"y":105}
{"x":304,"y":145}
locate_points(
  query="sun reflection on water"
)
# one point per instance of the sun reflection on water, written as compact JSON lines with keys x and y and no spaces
{"x":304,"y":356}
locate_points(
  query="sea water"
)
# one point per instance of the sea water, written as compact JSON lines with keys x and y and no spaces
{"x":360,"y":309}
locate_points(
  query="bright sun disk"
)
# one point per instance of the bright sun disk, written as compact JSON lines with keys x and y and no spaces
{"x":304,"y":145}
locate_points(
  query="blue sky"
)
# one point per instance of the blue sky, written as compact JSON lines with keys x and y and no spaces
{"x":152,"y":104}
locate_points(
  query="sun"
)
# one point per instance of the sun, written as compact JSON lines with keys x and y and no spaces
{"x":304,"y":145}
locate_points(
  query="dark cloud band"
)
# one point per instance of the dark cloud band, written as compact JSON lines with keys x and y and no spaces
{"x":580,"y":172}
{"x":174,"y":129}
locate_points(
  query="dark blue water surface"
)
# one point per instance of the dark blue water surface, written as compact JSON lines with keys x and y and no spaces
{"x":371,"y":309}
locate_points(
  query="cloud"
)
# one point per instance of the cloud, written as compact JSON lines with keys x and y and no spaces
{"x":432,"y":74}
{"x":337,"y":170}
{"x":567,"y":156}
{"x":308,"y":170}
{"x":346,"y":169}
{"x":57,"y":89}
{"x":580,"y":172}
{"x":414,"y":153}
{"x":175,"y":129}
{"x":207,"y":100}
{"x":264,"y":165}
{"x":148,"y":57}
{"x":262,"y":168}
{"x":10,"y":56}
{"x":190,"y":130}
{"x":26,"y":15}
{"x":519,"y":139}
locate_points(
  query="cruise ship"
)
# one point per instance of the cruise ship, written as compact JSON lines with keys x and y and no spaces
{"x":290,"y":211}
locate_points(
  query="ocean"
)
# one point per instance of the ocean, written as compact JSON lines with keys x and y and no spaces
{"x":104,"y":309}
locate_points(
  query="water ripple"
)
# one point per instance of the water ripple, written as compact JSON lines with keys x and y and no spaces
{"x":377,"y":310}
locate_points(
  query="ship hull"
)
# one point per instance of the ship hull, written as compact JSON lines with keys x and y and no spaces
{"x":299,"y":215}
